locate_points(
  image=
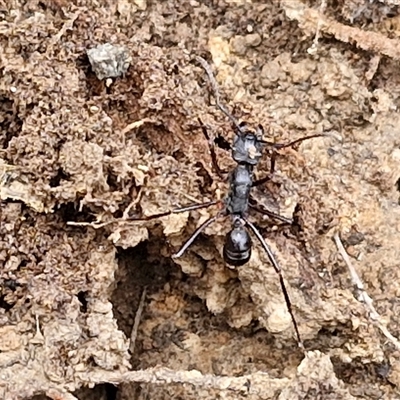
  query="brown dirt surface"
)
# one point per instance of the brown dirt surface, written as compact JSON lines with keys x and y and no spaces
{"x":92,"y":306}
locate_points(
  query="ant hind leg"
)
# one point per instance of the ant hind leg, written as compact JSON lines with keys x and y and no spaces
{"x":278,"y":270}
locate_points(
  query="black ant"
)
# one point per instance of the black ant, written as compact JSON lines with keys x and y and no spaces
{"x":246,"y":151}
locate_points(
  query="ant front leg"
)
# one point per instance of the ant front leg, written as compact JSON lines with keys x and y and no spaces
{"x":274,"y":154}
{"x":221,"y":173}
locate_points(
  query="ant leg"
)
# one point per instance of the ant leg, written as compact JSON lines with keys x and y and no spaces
{"x":279,"y":272}
{"x":261,"y":181}
{"x":176,"y":211}
{"x":98,"y":225}
{"x":218,"y":170}
{"x":196,"y":233}
{"x":273,"y":162}
{"x":271,"y":171}
{"x":278,"y":146}
{"x":272,"y":214}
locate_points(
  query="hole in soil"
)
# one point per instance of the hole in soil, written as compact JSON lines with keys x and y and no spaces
{"x":348,"y":372}
{"x":82,"y":299}
{"x":10,"y":124}
{"x":112,"y":182}
{"x":111,"y":391}
{"x":56,"y":180}
{"x":222,"y":143}
{"x":139,"y":268}
{"x":105,"y":391}
{"x":398,"y":185}
{"x":69,"y":212}
{"x":204,"y":175}
{"x":4,"y":305}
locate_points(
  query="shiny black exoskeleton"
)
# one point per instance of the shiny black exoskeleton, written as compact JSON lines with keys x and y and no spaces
{"x":246,"y":151}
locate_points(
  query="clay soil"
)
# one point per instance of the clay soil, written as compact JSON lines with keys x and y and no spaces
{"x":92,"y":306}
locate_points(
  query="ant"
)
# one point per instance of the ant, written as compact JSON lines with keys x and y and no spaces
{"x":247,"y":150}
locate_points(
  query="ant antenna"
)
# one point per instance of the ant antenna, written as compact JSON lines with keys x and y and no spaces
{"x":217,"y":97}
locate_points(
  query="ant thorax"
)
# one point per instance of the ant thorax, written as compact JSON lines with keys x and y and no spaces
{"x":241,"y":180}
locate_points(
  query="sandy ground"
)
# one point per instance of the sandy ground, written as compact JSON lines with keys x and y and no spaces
{"x":92,"y":306}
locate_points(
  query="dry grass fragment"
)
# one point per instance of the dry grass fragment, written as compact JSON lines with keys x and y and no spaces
{"x":362,"y":295}
{"x":313,"y":21}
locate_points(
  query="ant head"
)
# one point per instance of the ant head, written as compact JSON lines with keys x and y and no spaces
{"x":247,"y":146}
{"x":243,"y":130}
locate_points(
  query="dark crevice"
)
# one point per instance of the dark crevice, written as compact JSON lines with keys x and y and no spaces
{"x":4,"y":304}
{"x":398,"y":185}
{"x":82,"y":299}
{"x":139,"y":268}
{"x":111,"y":391}
{"x":56,"y":180}
{"x":10,"y":124}
{"x":222,"y":143}
{"x":70,"y":212}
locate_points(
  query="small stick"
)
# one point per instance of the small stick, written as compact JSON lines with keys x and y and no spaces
{"x":136,"y":323}
{"x":135,"y":125}
{"x":247,"y":384}
{"x":133,"y":203}
{"x":314,"y":46}
{"x":362,"y":295}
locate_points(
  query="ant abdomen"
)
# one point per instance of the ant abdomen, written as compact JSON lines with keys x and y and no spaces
{"x":237,"y":247}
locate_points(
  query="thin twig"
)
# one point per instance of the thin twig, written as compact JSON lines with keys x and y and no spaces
{"x":124,"y":219}
{"x":311,"y":20}
{"x":362,"y":295}
{"x":248,"y":384}
{"x":133,"y":203}
{"x":95,"y":225}
{"x":135,"y":125}
{"x":314,"y":46}
{"x":136,"y":323}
